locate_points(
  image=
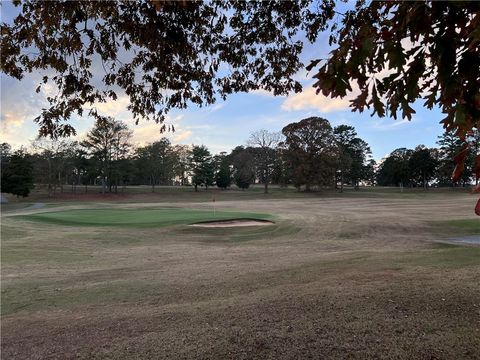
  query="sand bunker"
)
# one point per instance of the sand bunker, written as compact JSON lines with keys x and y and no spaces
{"x":233,"y":223}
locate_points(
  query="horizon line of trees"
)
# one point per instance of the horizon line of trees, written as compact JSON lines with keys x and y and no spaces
{"x":307,"y":154}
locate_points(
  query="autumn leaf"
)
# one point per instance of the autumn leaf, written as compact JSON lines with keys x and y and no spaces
{"x":360,"y":101}
{"x":377,"y":104}
{"x":461,"y":155}
{"x":312,"y":64}
{"x":476,"y":169}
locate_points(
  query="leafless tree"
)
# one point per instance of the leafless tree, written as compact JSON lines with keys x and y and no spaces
{"x":265,"y":144}
{"x":54,"y":151}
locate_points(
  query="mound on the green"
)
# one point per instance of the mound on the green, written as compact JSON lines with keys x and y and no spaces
{"x":138,"y":217}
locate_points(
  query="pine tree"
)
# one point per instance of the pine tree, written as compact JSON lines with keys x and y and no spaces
{"x":17,"y":174}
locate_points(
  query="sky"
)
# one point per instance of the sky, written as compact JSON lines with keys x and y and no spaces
{"x":226,"y":124}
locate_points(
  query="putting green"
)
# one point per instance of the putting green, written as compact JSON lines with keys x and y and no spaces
{"x":137,"y":217}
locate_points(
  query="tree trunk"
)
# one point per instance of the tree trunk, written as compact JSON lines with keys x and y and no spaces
{"x":341,"y":182}
{"x":49,"y":177}
{"x":60,"y":182}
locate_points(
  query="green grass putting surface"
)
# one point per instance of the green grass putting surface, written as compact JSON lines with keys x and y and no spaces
{"x":471,"y":226}
{"x":138,"y":217}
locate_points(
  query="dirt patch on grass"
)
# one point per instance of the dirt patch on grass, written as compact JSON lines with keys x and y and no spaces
{"x":233,"y":223}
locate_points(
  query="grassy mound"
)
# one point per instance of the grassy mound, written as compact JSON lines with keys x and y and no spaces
{"x":137,"y":217}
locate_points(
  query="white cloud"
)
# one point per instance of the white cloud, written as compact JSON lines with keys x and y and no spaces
{"x":308,"y":99}
{"x":382,"y":125}
{"x":19,"y":106}
{"x":148,"y":131}
{"x":14,"y":131}
{"x":182,"y":135}
{"x":399,"y":123}
{"x":9,"y":119}
{"x":215,"y":107}
{"x":114,"y":108}
{"x":262,"y":92}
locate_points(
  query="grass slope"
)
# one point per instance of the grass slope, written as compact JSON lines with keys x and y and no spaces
{"x":137,"y":217}
{"x":336,"y":277}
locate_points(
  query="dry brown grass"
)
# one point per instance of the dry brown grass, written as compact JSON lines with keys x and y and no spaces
{"x":344,"y":278}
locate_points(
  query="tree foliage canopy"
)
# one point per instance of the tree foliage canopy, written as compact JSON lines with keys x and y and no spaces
{"x":108,"y":142}
{"x":162,"y":54}
{"x":201,"y":166}
{"x":423,"y":165}
{"x":450,"y":146}
{"x":169,"y":54}
{"x":243,"y":163}
{"x":17,"y":172}
{"x":311,"y":150}
{"x":352,"y":156}
{"x":395,"y":170}
{"x":157,"y":160}
{"x":398,"y":52}
{"x":223,"y":178}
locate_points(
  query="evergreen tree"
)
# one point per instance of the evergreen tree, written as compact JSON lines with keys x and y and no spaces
{"x":157,"y":160}
{"x":201,"y":167}
{"x":17,"y":174}
{"x":224,"y":175}
{"x":450,"y":146}
{"x":108,"y":142}
{"x":423,"y":166}
{"x":243,"y":167}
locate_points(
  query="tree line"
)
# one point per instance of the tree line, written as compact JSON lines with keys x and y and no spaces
{"x":422,"y":166}
{"x":309,"y":154}
{"x":399,"y":52}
